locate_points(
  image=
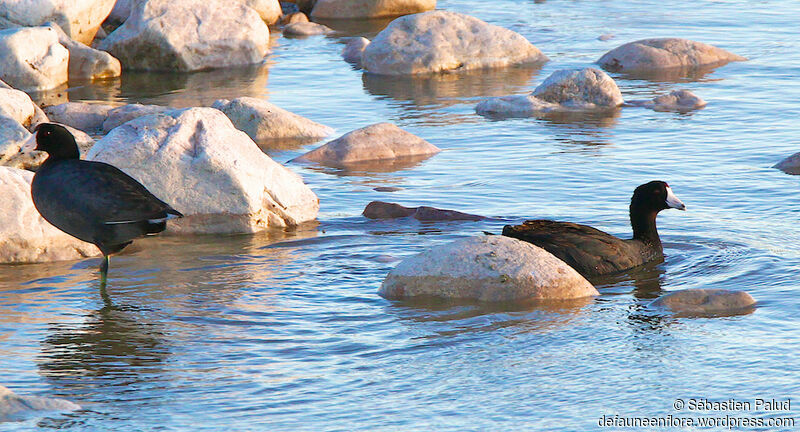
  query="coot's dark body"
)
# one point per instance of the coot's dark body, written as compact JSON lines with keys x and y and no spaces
{"x":592,"y":252}
{"x":97,"y":203}
{"x":93,"y":201}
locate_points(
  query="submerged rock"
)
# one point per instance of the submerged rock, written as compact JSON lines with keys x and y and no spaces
{"x":126,"y":113}
{"x":384,"y":210}
{"x":262,"y":120}
{"x":79,"y":19}
{"x":25,"y":237}
{"x":486,"y":268}
{"x":667,"y":53}
{"x":88,"y":117}
{"x":32,"y":59}
{"x":440,"y":41}
{"x":790,"y":165}
{"x":306,"y":29}
{"x":565,"y":90}
{"x":196,"y":160}
{"x":15,"y":407}
{"x":86,"y":62}
{"x":354,"y":49}
{"x":381,"y":141}
{"x":677,"y":100}
{"x":189,"y":35}
{"x":349,"y":9}
{"x":706,"y":302}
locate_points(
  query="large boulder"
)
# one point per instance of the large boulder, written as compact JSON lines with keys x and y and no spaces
{"x":126,"y":113}
{"x":88,"y":117}
{"x":263,"y":121}
{"x":381,"y":141}
{"x":32,"y":59}
{"x":706,"y":302}
{"x":17,"y":105}
{"x":564,"y":90}
{"x":440,"y":41}
{"x":349,"y":9}
{"x":649,"y":55}
{"x":25,"y":236}
{"x":790,"y":165}
{"x":79,"y":18}
{"x":86,"y":62}
{"x":188,"y":35}
{"x":15,"y":407}
{"x":196,"y":160}
{"x":486,"y":268}
{"x":18,"y":115}
{"x":268,"y":10}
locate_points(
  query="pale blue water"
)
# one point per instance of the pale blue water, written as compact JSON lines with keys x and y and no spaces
{"x":285,"y":332}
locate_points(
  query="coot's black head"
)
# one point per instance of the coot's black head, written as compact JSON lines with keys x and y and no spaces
{"x":655,"y":196}
{"x":56,"y":140}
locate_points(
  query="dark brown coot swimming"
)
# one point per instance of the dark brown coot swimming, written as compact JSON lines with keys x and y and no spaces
{"x":592,"y":252}
{"x":92,"y":201}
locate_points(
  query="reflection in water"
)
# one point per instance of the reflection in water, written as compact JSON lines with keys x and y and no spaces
{"x":372,"y":166}
{"x":672,"y":75}
{"x":430,"y":92}
{"x":461,"y":317}
{"x":582,"y":129}
{"x":177,"y":90}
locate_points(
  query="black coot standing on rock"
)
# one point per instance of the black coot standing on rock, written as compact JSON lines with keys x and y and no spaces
{"x":93,"y":201}
{"x":592,"y":252}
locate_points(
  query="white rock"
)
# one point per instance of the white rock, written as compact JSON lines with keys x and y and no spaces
{"x":349,"y":9}
{"x":676,"y":100}
{"x":32,"y":59}
{"x":667,"y":53}
{"x":262,"y":120}
{"x":486,"y":268}
{"x":79,"y":18}
{"x":790,"y":165}
{"x":24,"y":235}
{"x":196,"y":160}
{"x":86,"y":62}
{"x":564,"y":90}
{"x":12,"y":134}
{"x":354,"y":49}
{"x":268,"y":10}
{"x":705,"y":301}
{"x":441,"y":41}
{"x":189,"y":35}
{"x":306,"y":29}
{"x":88,"y":117}
{"x":126,"y":113}
{"x":380,"y":141}
{"x":15,"y":407}
{"x":17,"y":105}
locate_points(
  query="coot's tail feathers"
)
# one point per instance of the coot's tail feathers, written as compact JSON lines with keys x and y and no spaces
{"x":174,"y":213}
{"x":488,"y":233}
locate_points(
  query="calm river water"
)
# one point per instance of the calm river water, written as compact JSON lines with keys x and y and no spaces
{"x":285,"y":332}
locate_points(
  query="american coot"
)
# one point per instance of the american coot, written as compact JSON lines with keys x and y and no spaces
{"x":92,"y":201}
{"x":593,"y":252}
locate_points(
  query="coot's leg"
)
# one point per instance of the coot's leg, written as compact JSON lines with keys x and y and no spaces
{"x":104,"y":267}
